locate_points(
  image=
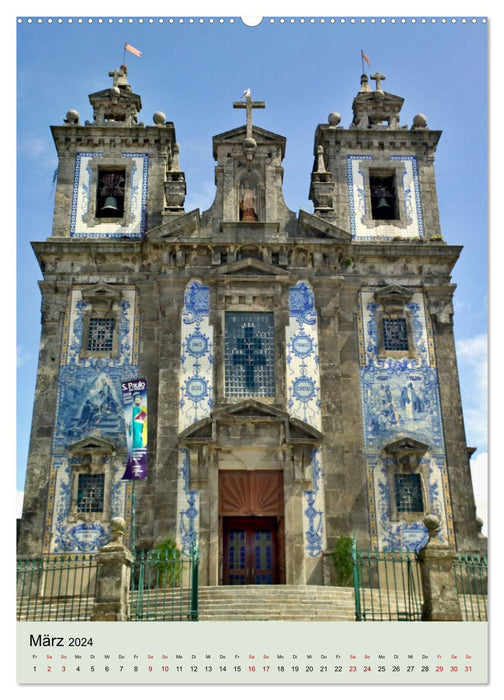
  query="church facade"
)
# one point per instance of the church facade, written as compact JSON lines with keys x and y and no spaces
{"x":300,"y":367}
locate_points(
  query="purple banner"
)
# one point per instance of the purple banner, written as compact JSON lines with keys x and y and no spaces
{"x":134,"y":395}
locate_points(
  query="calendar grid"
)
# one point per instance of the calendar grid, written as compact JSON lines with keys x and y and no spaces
{"x":252,"y":653}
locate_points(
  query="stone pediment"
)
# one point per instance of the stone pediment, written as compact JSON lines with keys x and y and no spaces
{"x":183,"y":226}
{"x":93,"y":444}
{"x":101,"y":296}
{"x":250,"y":267}
{"x":312,"y":226}
{"x":251,"y":411}
{"x":240,"y":133}
{"x":390,"y":290}
{"x":393,"y":296}
{"x":381,"y":97}
{"x":405,"y":446}
{"x":112,"y":95}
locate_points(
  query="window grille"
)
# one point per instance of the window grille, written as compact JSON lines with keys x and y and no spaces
{"x":249,"y":354}
{"x":395,"y":334}
{"x":409,"y":493}
{"x":100,"y":334}
{"x":90,"y":493}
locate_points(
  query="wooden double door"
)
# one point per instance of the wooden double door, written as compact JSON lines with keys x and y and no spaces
{"x":250,"y":551}
{"x":251,"y":505}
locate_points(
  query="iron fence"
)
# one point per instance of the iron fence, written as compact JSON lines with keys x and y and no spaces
{"x":56,"y":587}
{"x":164,"y":586}
{"x":471,"y":581}
{"x":387,"y":585}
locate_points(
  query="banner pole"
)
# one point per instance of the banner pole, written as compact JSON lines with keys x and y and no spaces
{"x":133,"y":518}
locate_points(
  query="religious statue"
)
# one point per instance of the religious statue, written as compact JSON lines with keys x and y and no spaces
{"x":248,"y":202}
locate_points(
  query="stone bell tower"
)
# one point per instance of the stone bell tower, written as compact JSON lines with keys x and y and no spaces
{"x":376,"y":180}
{"x":117,"y":178}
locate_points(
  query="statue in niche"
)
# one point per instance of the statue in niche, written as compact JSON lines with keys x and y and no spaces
{"x":248,"y":201}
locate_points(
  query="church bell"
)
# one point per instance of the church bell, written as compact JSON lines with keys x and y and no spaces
{"x":383,"y":208}
{"x":110,"y":207}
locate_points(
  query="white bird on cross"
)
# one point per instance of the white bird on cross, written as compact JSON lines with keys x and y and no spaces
{"x":246,"y":93}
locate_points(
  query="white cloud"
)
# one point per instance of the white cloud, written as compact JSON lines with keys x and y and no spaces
{"x":22,"y":356}
{"x":472,"y":354}
{"x":19,"y":503}
{"x":479,"y":472}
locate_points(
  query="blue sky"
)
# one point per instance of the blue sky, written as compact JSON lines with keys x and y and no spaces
{"x":303,"y":71}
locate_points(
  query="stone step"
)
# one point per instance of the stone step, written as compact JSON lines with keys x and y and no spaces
{"x":272,"y":591}
{"x":283,"y":617}
{"x":274,"y":601}
{"x":289,"y":603}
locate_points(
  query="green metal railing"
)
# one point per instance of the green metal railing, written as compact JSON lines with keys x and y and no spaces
{"x":387,"y":585}
{"x":56,"y":587}
{"x":471,"y":581}
{"x":164,"y":586}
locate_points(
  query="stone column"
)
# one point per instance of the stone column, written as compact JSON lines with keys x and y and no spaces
{"x":438,"y":580}
{"x":113,"y":577}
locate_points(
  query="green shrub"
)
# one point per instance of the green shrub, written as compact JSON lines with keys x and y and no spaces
{"x":343,"y":563}
{"x":167,"y":562}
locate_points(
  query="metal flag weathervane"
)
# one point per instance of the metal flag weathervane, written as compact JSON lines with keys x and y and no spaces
{"x":364,"y":58}
{"x":131,"y":49}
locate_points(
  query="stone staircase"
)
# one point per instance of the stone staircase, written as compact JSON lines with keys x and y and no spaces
{"x":285,"y":603}
{"x":237,"y":603}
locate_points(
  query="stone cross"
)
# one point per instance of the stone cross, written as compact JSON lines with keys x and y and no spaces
{"x":120,"y":77}
{"x":249,"y":105}
{"x":378,"y":77}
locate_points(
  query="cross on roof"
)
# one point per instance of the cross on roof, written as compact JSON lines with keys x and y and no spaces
{"x":249,"y":105}
{"x":378,"y":77}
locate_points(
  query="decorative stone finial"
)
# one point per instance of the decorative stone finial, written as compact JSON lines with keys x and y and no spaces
{"x":72,"y":117}
{"x":117,"y":530}
{"x":419,"y":121}
{"x":364,"y":82}
{"x":334,"y":118}
{"x":320,"y":159}
{"x":175,"y":165}
{"x":159,"y":118}
{"x":432,"y":524}
{"x":249,"y":147}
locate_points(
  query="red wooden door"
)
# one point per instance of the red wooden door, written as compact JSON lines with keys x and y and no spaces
{"x":250,"y":551}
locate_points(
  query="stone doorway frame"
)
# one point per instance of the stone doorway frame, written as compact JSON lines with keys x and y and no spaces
{"x":255,"y":436}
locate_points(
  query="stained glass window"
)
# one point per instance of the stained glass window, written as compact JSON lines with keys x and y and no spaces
{"x":249,"y":354}
{"x":100,"y":334}
{"x":395,"y":334}
{"x":409,"y":493}
{"x":90,"y":493}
